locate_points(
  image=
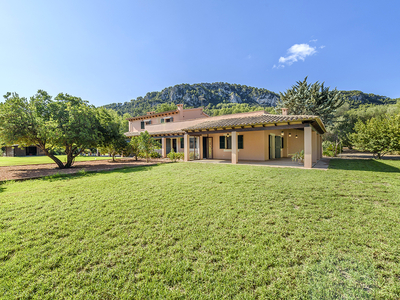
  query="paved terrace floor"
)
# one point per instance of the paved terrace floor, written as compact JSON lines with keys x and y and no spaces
{"x":276,"y":163}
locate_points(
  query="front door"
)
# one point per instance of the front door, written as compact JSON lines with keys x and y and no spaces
{"x":271,"y":147}
{"x":278,"y":146}
{"x":174,"y":145}
{"x":207,"y":147}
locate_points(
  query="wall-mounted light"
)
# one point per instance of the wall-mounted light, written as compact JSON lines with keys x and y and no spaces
{"x":282,"y":133}
{"x":296,"y":136}
{"x":290,"y":135}
{"x":227,"y":135}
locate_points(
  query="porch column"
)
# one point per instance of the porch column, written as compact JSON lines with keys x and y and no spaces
{"x":186,"y":149}
{"x":235,"y":154}
{"x":315,"y":145}
{"x":200,"y":147}
{"x":164,"y":147}
{"x":308,"y":147}
{"x":320,"y":147}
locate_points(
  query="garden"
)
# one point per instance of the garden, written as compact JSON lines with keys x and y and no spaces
{"x":200,"y":231}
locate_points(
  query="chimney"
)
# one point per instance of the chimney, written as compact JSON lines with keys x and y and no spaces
{"x":180,"y":106}
{"x":284,"y":111}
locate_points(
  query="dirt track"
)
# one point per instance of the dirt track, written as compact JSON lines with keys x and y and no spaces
{"x":37,"y":171}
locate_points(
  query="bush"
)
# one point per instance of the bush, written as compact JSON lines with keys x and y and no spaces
{"x":328,"y":148}
{"x":155,"y":155}
{"x":174,"y":156}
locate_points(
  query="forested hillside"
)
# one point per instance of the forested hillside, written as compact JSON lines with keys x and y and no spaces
{"x":195,"y":95}
{"x":223,"y":98}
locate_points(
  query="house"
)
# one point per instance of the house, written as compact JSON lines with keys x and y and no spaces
{"x":255,"y":136}
{"x":14,"y":150}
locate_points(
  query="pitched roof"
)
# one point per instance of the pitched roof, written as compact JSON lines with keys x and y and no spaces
{"x":172,"y":132}
{"x":169,"y":112}
{"x":251,"y":120}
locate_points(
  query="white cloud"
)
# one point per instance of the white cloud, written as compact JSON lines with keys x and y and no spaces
{"x":322,"y":47}
{"x":313,"y":41}
{"x":295,"y":53}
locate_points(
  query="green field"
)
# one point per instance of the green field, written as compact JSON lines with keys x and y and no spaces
{"x":204,"y":231}
{"x":36,"y":160}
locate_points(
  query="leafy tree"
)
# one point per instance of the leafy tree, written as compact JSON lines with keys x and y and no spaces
{"x":311,"y":99}
{"x":378,"y":135}
{"x":234,"y":108}
{"x":147,"y":144}
{"x":134,"y":146}
{"x":165,"y":107}
{"x":65,"y":121}
{"x":346,"y":118}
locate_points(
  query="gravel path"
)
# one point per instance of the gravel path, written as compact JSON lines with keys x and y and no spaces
{"x":37,"y":171}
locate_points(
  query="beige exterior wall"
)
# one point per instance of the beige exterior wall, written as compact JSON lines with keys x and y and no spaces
{"x":253,"y":146}
{"x":178,"y":117}
{"x":256,"y":144}
{"x":294,"y":144}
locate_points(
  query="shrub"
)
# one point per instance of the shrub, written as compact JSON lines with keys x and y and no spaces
{"x":155,"y":154}
{"x":328,"y":148}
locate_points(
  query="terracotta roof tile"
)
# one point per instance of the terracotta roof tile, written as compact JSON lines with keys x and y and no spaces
{"x":137,"y":133}
{"x":251,"y":120}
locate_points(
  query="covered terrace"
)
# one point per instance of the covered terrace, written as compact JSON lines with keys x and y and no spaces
{"x":260,"y":137}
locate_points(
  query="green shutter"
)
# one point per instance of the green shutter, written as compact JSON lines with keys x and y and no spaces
{"x":282,"y":143}
{"x":222,"y":142}
{"x":240,"y":142}
{"x":182,"y":143}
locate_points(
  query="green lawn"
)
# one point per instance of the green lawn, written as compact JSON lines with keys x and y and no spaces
{"x":204,"y":231}
{"x":35,"y":160}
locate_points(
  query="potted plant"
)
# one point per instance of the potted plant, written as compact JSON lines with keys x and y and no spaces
{"x":301,"y":157}
{"x":295,"y":156}
{"x":298,"y":156}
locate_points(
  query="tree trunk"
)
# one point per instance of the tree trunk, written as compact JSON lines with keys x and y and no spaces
{"x":147,"y":157}
{"x":70,"y":160}
{"x":55,"y":159}
{"x":113,"y":157}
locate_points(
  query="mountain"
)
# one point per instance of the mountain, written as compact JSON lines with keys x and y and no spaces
{"x":357,"y":98}
{"x":211,"y":94}
{"x":201,"y":94}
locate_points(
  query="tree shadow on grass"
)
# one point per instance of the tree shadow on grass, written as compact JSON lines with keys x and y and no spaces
{"x":369,"y":165}
{"x":83,"y":173}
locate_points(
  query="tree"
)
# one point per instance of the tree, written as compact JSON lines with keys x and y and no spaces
{"x":311,"y":99}
{"x":65,"y":121}
{"x":134,"y":147}
{"x":378,"y":135}
{"x":147,"y":144}
{"x":114,"y":141}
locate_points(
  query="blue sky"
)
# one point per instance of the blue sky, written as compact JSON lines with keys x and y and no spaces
{"x":115,"y":51}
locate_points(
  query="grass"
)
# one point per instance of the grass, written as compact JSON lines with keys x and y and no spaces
{"x":36,"y":160}
{"x":204,"y":231}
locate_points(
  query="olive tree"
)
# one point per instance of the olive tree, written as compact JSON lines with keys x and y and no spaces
{"x":378,"y":135}
{"x":66,"y":122}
